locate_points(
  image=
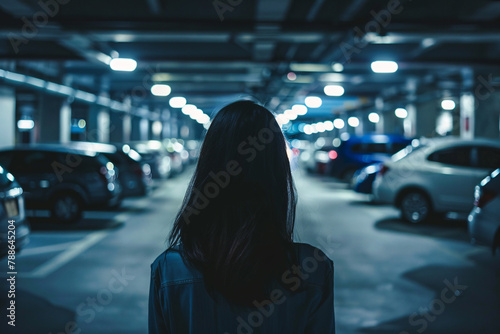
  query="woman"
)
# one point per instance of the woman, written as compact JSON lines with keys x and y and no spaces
{"x":232,"y":265}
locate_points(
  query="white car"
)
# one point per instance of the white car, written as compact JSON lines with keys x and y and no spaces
{"x":484,"y":219}
{"x":437,"y":176}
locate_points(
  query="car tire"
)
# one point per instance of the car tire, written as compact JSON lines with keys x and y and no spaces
{"x":67,"y":208}
{"x":415,"y":207}
{"x":348,"y":174}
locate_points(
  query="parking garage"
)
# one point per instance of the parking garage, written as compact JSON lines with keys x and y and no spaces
{"x":391,"y":114}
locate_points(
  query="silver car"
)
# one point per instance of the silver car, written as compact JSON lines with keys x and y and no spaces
{"x":484,"y":219}
{"x":437,"y":177}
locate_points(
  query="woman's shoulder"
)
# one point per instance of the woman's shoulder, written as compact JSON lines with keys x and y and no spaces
{"x":170,"y":267}
{"x":313,"y":262}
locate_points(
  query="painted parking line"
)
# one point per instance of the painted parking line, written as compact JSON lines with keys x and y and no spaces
{"x":73,"y":251}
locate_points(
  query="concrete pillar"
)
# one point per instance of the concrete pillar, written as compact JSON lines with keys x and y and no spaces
{"x":426,"y":114}
{"x":53,"y":122}
{"x":487,"y":108}
{"x":120,"y":127}
{"x":135,"y":128}
{"x":409,"y":123}
{"x":99,"y":124}
{"x":144,"y":129}
{"x":379,"y":108}
{"x":8,"y":124}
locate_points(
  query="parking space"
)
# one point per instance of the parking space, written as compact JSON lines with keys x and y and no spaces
{"x":390,"y":276}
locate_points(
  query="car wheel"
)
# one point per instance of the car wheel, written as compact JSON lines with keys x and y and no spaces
{"x":67,"y":208}
{"x":415,"y":207}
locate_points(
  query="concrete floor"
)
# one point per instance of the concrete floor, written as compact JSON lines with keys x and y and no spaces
{"x":390,"y":277}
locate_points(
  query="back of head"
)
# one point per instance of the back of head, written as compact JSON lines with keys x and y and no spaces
{"x":236,"y":222}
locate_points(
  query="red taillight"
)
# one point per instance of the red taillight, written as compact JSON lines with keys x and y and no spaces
{"x":484,"y":197}
{"x":333,"y":155}
{"x":383,"y":170}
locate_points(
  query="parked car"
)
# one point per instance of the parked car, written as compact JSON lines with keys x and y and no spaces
{"x":436,"y":177}
{"x":360,"y":151}
{"x":484,"y":219}
{"x":314,"y":159}
{"x":63,"y":180}
{"x":362,"y":181}
{"x":134,"y":175}
{"x":12,"y":209}
{"x":155,"y":155}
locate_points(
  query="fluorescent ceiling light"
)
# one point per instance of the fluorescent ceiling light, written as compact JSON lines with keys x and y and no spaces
{"x":374,"y":117}
{"x":313,"y":101}
{"x":334,"y":90}
{"x":384,"y":66}
{"x":177,"y":102}
{"x":161,"y":90}
{"x":401,"y":113}
{"x":123,"y":64}
{"x":448,"y":104}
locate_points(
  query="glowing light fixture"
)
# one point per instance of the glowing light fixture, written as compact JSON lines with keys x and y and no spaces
{"x":338,"y":123}
{"x":161,"y":90}
{"x":313,"y":102}
{"x":299,"y":109}
{"x":177,"y":102}
{"x":374,"y":117}
{"x":334,"y":90}
{"x":123,"y":64}
{"x":384,"y":66}
{"x":401,"y":113}
{"x":448,"y":104}
{"x":353,"y":121}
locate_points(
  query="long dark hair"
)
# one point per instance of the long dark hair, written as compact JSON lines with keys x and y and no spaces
{"x":237,"y":219}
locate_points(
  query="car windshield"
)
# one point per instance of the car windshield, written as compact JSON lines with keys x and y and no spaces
{"x":414,"y":146}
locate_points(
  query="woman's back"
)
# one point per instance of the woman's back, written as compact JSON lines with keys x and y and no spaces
{"x":301,"y":302}
{"x":236,"y":227}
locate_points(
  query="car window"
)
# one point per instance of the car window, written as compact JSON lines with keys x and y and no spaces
{"x":488,"y":157}
{"x":456,"y":156}
{"x":32,"y":161}
{"x":6,"y":158}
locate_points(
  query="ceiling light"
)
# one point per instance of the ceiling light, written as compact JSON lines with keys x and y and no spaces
{"x":313,"y":102}
{"x":338,"y":123}
{"x":334,"y":90}
{"x":374,"y":117}
{"x":123,"y":64}
{"x":25,"y":124}
{"x":353,"y":121}
{"x":384,"y":66}
{"x":448,"y":104}
{"x":337,"y":67}
{"x":161,"y":90}
{"x":177,"y":102}
{"x":401,"y":113}
{"x":299,"y":109}
{"x":188,"y":109}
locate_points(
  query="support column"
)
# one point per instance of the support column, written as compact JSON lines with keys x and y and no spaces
{"x":53,"y":119}
{"x":99,"y":124}
{"x":379,"y":108}
{"x":427,"y":112}
{"x":120,"y":128}
{"x":487,"y":108}
{"x":8,"y":124}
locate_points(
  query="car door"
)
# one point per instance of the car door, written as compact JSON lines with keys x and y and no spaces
{"x":33,"y":170}
{"x":452,"y":178}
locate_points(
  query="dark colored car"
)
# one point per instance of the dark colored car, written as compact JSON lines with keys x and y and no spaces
{"x":156,"y":156}
{"x":63,"y":180}
{"x":14,"y":229}
{"x":134,"y":175}
{"x":362,"y":181}
{"x":360,"y":151}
